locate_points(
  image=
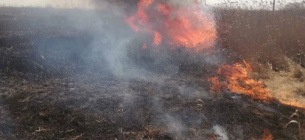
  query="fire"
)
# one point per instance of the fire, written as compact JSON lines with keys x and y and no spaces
{"x":216,"y":84}
{"x":157,"y":39}
{"x":176,"y":26}
{"x":144,"y":47}
{"x":237,"y":80}
{"x":267,"y":135}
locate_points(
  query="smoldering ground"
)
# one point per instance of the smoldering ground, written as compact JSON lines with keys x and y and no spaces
{"x":96,"y":46}
{"x":84,"y":74}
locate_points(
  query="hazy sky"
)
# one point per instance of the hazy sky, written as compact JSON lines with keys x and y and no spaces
{"x":253,"y":3}
{"x":86,"y":3}
{"x":42,"y":3}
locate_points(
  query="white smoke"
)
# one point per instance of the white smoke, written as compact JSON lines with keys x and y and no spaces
{"x":180,"y":3}
{"x":220,"y":132}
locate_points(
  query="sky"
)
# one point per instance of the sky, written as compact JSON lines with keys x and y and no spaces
{"x":255,"y":4}
{"x":86,"y":3}
{"x":212,"y":2}
{"x":43,"y":3}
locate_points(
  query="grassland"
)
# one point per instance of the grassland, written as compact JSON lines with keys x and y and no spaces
{"x":49,"y":91}
{"x":264,"y":37}
{"x":273,"y":43}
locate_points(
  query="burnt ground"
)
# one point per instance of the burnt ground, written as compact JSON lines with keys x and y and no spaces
{"x":112,"y":108}
{"x":45,"y":95}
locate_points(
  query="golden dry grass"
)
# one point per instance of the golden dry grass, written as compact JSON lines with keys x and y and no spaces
{"x":264,"y":37}
{"x":286,"y":87}
{"x":273,"y":43}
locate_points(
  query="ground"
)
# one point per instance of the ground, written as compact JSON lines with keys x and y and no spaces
{"x":62,"y":100}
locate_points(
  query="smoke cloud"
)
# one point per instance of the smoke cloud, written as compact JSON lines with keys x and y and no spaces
{"x":220,"y":132}
{"x":104,"y":43}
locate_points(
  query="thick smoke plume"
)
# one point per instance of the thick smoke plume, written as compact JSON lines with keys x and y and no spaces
{"x":109,"y":44}
{"x":103,"y":42}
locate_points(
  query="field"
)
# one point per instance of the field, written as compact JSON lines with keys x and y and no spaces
{"x":273,"y":45}
{"x":68,"y":74}
{"x":272,"y":35}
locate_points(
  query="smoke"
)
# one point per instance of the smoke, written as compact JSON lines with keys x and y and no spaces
{"x":174,"y":125}
{"x":184,"y":3}
{"x":112,"y":46}
{"x":102,"y":42}
{"x":220,"y":132}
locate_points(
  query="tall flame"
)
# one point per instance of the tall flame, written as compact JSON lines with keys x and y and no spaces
{"x":176,"y":26}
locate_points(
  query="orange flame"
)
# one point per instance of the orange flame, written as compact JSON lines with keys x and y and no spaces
{"x":144,"y":47}
{"x":216,"y":87}
{"x":237,"y":80}
{"x":158,"y":39}
{"x":177,"y":26}
{"x":267,"y":135}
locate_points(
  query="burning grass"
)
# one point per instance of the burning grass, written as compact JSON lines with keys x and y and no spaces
{"x":175,"y":25}
{"x":265,"y":60}
{"x":274,"y":47}
{"x":237,"y":79}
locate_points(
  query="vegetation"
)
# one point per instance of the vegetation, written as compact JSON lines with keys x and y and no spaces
{"x":50,"y":90}
{"x":264,"y":37}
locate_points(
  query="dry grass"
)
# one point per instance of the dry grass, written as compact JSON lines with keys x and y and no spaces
{"x":298,"y":74}
{"x":273,"y":43}
{"x":264,"y":37}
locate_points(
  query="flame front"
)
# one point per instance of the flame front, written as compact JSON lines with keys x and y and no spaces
{"x":176,"y":26}
{"x":237,"y":80}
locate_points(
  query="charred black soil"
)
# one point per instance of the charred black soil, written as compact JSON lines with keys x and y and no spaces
{"x":54,"y":93}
